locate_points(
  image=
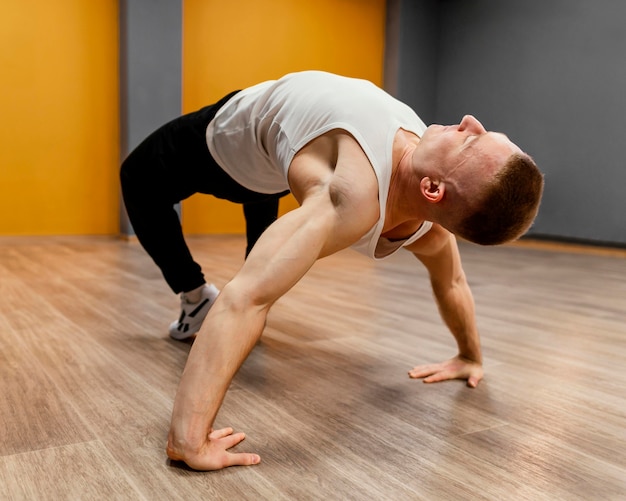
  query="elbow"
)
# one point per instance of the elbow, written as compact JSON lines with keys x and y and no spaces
{"x":239,"y":298}
{"x":443,"y":289}
{"x":450,"y":281}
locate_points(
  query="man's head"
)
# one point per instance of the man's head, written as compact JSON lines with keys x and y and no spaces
{"x":480,"y":185}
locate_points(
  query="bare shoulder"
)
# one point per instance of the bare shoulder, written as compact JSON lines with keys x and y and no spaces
{"x":354,"y":180}
{"x":333,"y":167}
{"x":334,"y":157}
{"x":432,"y":243}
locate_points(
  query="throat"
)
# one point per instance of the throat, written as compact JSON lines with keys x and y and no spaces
{"x":402,"y":216}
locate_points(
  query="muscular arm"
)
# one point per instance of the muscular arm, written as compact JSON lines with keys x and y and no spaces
{"x":438,"y":251}
{"x":235,"y":323}
{"x":329,"y":218}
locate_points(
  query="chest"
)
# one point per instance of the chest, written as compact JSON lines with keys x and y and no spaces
{"x":402,"y":231}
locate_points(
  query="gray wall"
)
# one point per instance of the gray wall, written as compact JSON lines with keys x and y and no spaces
{"x":552,"y":75}
{"x":150,"y":71}
{"x":411,"y":56}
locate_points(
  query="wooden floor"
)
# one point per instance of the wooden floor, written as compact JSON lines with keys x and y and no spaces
{"x":88,"y":377}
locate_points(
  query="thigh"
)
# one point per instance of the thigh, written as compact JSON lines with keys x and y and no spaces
{"x":158,"y":167}
{"x":175,"y":158}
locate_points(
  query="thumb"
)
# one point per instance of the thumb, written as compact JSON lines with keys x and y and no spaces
{"x":243,"y":459}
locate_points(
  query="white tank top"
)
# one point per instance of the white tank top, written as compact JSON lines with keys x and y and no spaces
{"x":256,"y":134}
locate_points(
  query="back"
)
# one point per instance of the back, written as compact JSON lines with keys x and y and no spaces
{"x":256,"y":134}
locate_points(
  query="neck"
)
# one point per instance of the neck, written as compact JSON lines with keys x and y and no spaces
{"x":404,"y":207}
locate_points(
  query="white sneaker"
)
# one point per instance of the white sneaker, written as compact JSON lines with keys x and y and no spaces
{"x":192,"y":314}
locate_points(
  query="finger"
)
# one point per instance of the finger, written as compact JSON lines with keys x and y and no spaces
{"x":221,"y":433}
{"x":423,"y":370}
{"x":243,"y":459}
{"x":473,"y":381}
{"x":440,"y":376}
{"x":232,"y":440}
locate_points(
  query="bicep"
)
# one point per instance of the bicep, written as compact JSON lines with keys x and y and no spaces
{"x":336,"y":210}
{"x":286,"y":251}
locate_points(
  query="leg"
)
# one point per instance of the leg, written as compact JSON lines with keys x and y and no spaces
{"x":259,"y":215}
{"x":158,"y":228}
{"x":167,"y":167}
{"x":150,"y":206}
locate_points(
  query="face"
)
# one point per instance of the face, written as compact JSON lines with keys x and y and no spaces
{"x":455,"y":151}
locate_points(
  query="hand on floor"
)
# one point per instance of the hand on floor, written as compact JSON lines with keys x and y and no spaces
{"x":455,"y":368}
{"x":214,"y":454}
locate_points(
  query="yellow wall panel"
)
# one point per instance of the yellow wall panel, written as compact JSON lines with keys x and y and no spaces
{"x":59,"y":127}
{"x":231,"y":45}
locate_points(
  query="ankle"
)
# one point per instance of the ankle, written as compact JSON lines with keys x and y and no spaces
{"x":194,"y":295}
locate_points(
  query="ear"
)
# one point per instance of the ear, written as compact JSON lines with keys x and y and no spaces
{"x":432,"y":190}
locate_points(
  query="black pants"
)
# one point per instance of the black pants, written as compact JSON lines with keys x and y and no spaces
{"x":170,"y":165}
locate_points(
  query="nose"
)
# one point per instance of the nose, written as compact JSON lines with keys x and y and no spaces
{"x":471,"y":124}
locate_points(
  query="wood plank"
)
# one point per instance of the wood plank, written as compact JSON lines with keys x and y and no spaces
{"x":34,"y":413}
{"x":77,"y":471}
{"x":324,"y":397}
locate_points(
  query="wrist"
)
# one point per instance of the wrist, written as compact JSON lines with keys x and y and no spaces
{"x":183,"y":441}
{"x":471,"y":352}
{"x":180,"y":449}
{"x":471,"y":357}
{"x":469,"y":347}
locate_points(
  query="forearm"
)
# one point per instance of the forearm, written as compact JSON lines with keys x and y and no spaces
{"x":456,"y":306}
{"x":226,"y":338}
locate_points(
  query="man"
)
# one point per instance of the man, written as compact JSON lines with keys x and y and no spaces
{"x":366,"y":172}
